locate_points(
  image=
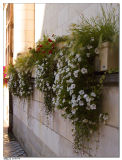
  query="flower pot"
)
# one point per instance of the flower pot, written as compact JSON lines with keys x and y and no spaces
{"x":108,"y":56}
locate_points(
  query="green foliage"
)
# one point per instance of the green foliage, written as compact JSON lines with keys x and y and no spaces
{"x":20,"y":82}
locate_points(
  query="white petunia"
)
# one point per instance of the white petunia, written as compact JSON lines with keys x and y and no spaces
{"x":85,"y":96}
{"x":73,"y":96}
{"x":88,"y":55}
{"x":72,"y":86}
{"x":84,"y":70}
{"x":93,"y":106}
{"x":71,"y":92}
{"x":81,"y":92}
{"x":85,"y":121}
{"x":88,"y":99}
{"x":73,"y":111}
{"x":89,"y":47}
{"x":67,"y":70}
{"x":93,"y":94}
{"x":78,"y":98}
{"x":70,"y":81}
{"x":64,"y":101}
{"x":77,"y":56}
{"x":79,"y":59}
{"x":81,"y":103}
{"x":96,"y":51}
{"x":75,"y":74}
{"x":61,"y":54}
{"x":92,"y":39}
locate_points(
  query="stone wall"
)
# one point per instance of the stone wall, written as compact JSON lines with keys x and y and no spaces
{"x":51,"y":136}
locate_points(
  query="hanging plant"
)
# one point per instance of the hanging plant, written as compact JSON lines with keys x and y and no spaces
{"x":45,"y":68}
{"x":20,"y":83}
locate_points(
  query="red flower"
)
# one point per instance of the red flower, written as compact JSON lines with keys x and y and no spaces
{"x":50,"y":51}
{"x":40,"y":45}
{"x":49,"y":40}
{"x":43,"y":51}
{"x":38,"y":49}
{"x":53,"y":45}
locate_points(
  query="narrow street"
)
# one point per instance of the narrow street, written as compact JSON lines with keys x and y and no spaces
{"x":11,"y":147}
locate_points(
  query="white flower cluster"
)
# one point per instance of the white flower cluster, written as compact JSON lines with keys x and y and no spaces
{"x":103,"y":117}
{"x":66,"y":74}
{"x":40,"y":82}
{"x":19,"y":85}
{"x":13,"y":84}
{"x":25,"y":88}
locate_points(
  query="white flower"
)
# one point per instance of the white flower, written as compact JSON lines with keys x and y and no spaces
{"x":77,"y":56}
{"x":70,"y":81}
{"x":72,"y":86}
{"x":93,"y":94}
{"x":88,"y":99}
{"x":79,"y":59}
{"x":93,"y":106}
{"x":69,"y":74}
{"x":64,"y":101}
{"x":91,"y":131}
{"x":81,"y":92}
{"x":61,"y":54}
{"x":78,"y":98}
{"x":67,"y":70}
{"x":73,"y":111}
{"x":84,"y":70}
{"x":76,"y":73}
{"x":74,"y":104}
{"x":68,"y":89}
{"x":71,"y":92}
{"x":92,"y":38}
{"x":72,"y":53}
{"x":73,"y":96}
{"x":88,"y":55}
{"x":89,"y":47}
{"x":81,"y":103}
{"x":85,"y":121}
{"x":96,"y":51}
{"x":105,"y":117}
{"x":85,"y":96}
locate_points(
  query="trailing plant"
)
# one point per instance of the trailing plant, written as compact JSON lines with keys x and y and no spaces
{"x":45,"y":67}
{"x":20,"y":82}
{"x":78,"y":90}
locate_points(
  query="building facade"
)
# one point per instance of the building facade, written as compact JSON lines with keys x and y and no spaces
{"x":42,"y":136}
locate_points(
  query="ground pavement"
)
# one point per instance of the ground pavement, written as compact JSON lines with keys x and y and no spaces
{"x":11,"y":147}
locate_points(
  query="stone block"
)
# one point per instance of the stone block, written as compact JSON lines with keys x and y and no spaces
{"x":34,"y":109}
{"x":110,"y":104}
{"x":38,"y":95}
{"x":59,"y":123}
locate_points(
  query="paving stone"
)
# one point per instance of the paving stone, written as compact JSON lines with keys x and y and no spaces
{"x":11,"y":146}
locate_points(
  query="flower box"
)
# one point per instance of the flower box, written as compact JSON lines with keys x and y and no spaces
{"x":108,"y":56}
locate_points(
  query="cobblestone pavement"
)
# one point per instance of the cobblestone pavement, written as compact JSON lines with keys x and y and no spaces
{"x":11,"y":148}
